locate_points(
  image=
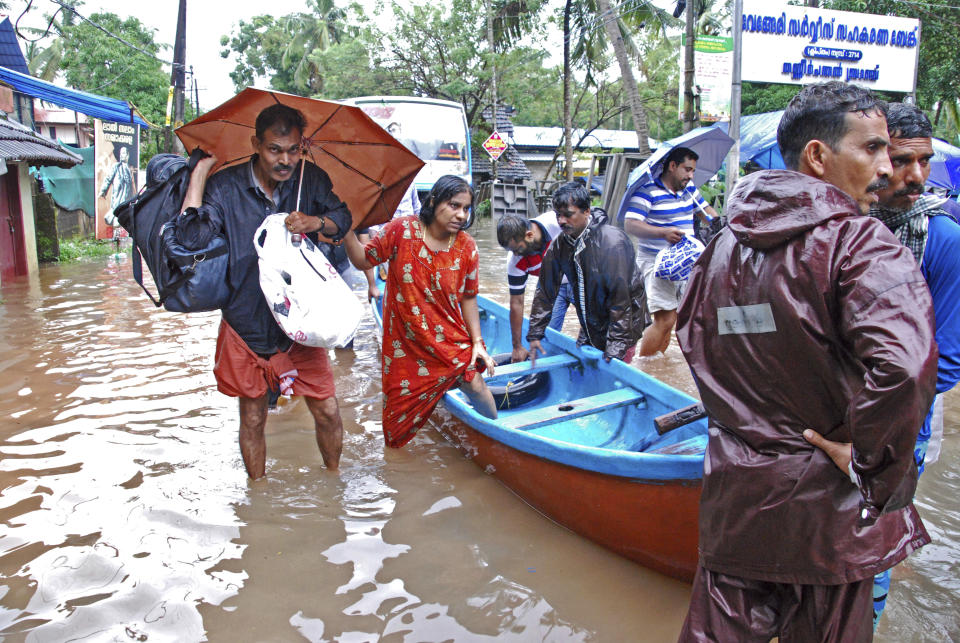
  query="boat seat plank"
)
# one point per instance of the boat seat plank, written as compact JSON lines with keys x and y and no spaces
{"x":554,"y":413}
{"x":543,"y":364}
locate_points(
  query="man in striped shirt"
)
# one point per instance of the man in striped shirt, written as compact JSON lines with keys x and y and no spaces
{"x":528,"y":240}
{"x":660,"y":214}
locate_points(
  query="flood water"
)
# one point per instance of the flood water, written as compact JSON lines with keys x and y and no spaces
{"x":126,"y":514}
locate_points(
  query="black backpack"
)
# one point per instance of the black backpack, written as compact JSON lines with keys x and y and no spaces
{"x":187,"y":281}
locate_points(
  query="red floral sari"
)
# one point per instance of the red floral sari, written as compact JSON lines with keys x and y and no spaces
{"x":426,"y":346}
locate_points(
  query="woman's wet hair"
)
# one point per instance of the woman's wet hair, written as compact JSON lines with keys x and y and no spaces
{"x":446,"y":187}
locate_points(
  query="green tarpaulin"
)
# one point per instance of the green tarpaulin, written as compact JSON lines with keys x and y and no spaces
{"x":72,"y":189}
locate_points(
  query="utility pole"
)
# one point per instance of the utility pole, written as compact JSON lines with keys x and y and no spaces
{"x":493,"y":85}
{"x":178,"y":73}
{"x":567,"y":116}
{"x":733,"y":157}
{"x":689,"y":113}
{"x":196,"y":93}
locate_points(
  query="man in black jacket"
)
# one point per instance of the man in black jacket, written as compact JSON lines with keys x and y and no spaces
{"x":598,"y":260}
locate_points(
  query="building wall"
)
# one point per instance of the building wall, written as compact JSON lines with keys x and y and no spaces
{"x":29,"y":228}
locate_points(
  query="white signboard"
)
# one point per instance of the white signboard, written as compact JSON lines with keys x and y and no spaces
{"x":801,"y":45}
{"x":712,"y":75}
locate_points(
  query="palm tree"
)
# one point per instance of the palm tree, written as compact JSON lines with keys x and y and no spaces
{"x":618,"y":23}
{"x":310,"y":33}
{"x":44,"y":62}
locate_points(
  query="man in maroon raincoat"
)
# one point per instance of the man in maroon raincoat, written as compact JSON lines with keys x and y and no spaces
{"x":804,"y":319}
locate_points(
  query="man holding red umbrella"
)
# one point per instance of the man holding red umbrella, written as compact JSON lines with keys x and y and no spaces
{"x":253,"y":354}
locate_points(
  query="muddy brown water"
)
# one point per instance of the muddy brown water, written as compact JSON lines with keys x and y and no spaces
{"x":126,"y":515}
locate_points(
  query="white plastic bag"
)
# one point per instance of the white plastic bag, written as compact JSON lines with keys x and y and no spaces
{"x":308,"y":298}
{"x":676,"y":261}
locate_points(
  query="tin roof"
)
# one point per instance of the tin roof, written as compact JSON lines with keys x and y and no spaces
{"x":10,"y":54}
{"x":17,"y":143}
{"x":510,"y":167}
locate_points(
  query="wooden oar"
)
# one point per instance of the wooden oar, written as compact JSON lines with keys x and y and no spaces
{"x":678,"y":418}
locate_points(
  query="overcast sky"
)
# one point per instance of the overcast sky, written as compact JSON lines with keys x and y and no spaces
{"x":206,"y":23}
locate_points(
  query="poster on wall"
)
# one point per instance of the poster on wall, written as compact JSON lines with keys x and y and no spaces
{"x":117,"y":162}
{"x":712,"y":75}
{"x":801,"y":45}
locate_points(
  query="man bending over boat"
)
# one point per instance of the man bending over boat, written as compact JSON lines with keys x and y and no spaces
{"x":528,"y":240}
{"x":599,"y":263}
{"x":805,"y":317}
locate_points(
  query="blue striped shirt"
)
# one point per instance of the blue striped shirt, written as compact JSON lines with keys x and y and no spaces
{"x":655,"y":204}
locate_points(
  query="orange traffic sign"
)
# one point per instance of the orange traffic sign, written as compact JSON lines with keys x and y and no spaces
{"x":495,"y":145}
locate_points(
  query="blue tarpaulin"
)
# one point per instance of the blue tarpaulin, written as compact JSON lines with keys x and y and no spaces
{"x":93,"y":105}
{"x":758,"y":139}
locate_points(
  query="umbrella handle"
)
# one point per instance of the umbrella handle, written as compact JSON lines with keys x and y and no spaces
{"x":303,"y":164}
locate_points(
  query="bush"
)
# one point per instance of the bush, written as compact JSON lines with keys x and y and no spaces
{"x":482,"y":209}
{"x":76,"y":249}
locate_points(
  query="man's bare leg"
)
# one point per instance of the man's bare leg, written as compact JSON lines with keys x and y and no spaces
{"x":253,"y":445}
{"x":656,"y":338}
{"x":329,"y":429}
{"x":480,"y":396}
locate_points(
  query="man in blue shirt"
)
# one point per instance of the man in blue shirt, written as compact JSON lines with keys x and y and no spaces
{"x":660,"y":214}
{"x":922,"y":224}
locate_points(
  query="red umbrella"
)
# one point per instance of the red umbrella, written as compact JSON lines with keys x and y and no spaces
{"x":370,"y":169}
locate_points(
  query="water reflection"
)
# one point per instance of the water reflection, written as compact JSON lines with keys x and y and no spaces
{"x":127,"y":514}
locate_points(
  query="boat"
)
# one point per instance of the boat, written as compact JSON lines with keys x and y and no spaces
{"x":583,"y":448}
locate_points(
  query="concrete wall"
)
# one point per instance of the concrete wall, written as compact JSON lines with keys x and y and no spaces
{"x":26,"y":206}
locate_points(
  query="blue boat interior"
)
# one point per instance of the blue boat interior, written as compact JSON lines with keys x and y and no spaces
{"x":585,"y":401}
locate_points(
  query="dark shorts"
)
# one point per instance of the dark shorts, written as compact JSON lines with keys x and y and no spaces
{"x":242,"y":373}
{"x":730,"y":608}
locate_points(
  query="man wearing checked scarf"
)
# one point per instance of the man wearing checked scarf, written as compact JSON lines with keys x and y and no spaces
{"x":923,"y":226}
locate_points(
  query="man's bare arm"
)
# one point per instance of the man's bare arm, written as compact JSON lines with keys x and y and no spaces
{"x":642,"y":229}
{"x":516,"y":328}
{"x":198,"y":183}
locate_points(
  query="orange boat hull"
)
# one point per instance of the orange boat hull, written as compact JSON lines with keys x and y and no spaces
{"x":651,"y":522}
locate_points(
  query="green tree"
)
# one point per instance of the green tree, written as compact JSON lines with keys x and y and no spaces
{"x":44,"y":50}
{"x":758,"y":98}
{"x":95,"y":62}
{"x":937,"y":87}
{"x":310,"y":34}
{"x":617,"y":24}
{"x":291,"y":50}
{"x":440,"y":51}
{"x":259,"y":45}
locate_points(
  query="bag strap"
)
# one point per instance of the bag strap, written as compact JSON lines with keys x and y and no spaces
{"x":138,"y":271}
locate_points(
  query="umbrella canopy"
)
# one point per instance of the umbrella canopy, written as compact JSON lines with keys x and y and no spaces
{"x":710,"y":143}
{"x":370,"y":169}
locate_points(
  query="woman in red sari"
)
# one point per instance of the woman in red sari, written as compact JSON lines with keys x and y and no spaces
{"x":431,"y":321}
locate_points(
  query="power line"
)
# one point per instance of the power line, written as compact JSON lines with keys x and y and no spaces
{"x":45,"y":33}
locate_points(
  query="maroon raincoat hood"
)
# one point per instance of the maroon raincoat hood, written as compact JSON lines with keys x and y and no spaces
{"x":769,"y":208}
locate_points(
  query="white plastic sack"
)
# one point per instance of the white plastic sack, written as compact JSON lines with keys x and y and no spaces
{"x":309,"y":300}
{"x":675,"y":262}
